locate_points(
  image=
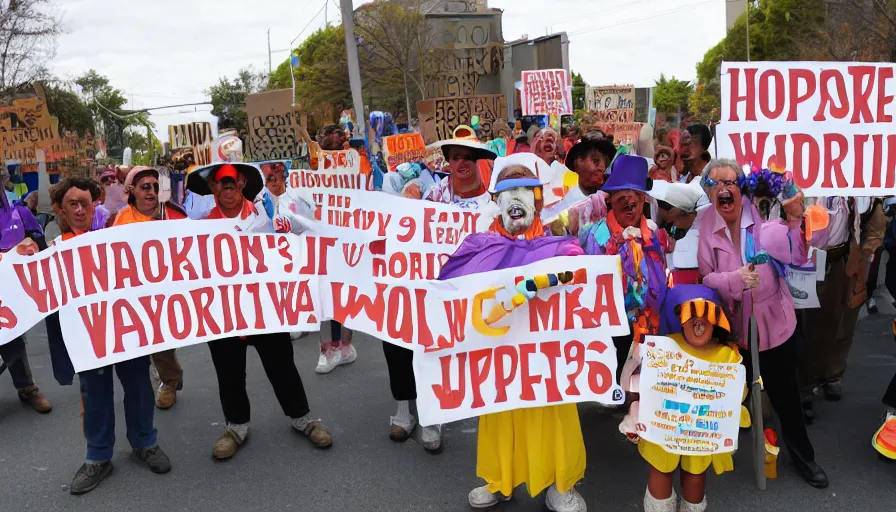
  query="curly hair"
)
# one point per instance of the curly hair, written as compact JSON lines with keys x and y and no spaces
{"x":57,"y":194}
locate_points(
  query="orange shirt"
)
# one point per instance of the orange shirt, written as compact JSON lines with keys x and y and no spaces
{"x":245,"y":213}
{"x":130,"y":214}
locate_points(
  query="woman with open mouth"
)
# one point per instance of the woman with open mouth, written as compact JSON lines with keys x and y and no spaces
{"x":742,"y":257}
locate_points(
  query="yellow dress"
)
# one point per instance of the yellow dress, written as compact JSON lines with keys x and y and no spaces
{"x":537,"y":447}
{"x":666,"y":462}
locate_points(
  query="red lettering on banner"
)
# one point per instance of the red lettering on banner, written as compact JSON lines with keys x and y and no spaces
{"x":400,"y":325}
{"x":833,"y":166}
{"x":225,"y":242}
{"x":410,"y":225}
{"x":877,"y":159}
{"x":160,"y":259}
{"x":826,"y":99}
{"x":424,"y":334}
{"x":202,"y":243}
{"x":450,"y":398}
{"x":255,"y":291}
{"x":883,"y":74}
{"x":288,"y":304}
{"x":202,"y":299}
{"x":503,"y":379}
{"x":428,"y":214}
{"x":805,"y":177}
{"x":241,"y":323}
{"x":891,"y":161}
{"x":180,"y":260}
{"x":456,"y":314}
{"x":749,"y":97}
{"x":62,"y":282}
{"x":765,"y":79}
{"x":795,"y":97}
{"x":283,"y":250}
{"x":551,"y":350}
{"x":324,"y":244}
{"x":543,"y":311}
{"x":251,"y":246}
{"x":96,"y":275}
{"x":605,"y":301}
{"x":527,"y":380}
{"x":8,"y":319}
{"x":225,"y":306}
{"x":862,"y":91}
{"x":68,"y":260}
{"x":119,"y":308}
{"x":579,"y":359}
{"x":94,"y":318}
{"x":479,"y":373}
{"x":180,"y":300}
{"x":859,"y":167}
{"x":155,"y":315}
{"x":574,"y":308}
{"x":311,"y":256}
{"x":352,"y":253}
{"x":43,"y":295}
{"x":599,"y":376}
{"x":125,"y":266}
{"x":746,"y":152}
{"x":373,"y":309}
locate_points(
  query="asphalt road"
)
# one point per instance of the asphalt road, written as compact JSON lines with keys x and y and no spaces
{"x":278,"y":469}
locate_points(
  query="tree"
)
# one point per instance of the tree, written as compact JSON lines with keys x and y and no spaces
{"x":875,"y":20}
{"x":399,"y":41}
{"x":105,"y":103}
{"x":321,"y":77}
{"x":69,"y":108}
{"x":578,"y":91}
{"x":143,"y":144}
{"x":671,"y":95}
{"x":28,"y":32}
{"x":228,"y":99}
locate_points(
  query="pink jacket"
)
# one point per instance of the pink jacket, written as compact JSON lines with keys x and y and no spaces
{"x":771,"y":303}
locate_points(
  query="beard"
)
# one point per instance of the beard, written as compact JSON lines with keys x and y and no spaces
{"x":517,"y":207}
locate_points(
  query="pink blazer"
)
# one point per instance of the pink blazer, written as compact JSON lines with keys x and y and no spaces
{"x":771,"y":303}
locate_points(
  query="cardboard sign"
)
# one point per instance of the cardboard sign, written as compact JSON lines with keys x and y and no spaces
{"x":440,"y":116}
{"x":273,"y":123}
{"x":613,"y":104}
{"x":546,"y":92}
{"x":688,"y":406}
{"x":623,"y":133}
{"x":26,"y":126}
{"x":197,"y":136}
{"x":829,"y":123}
{"x":406,"y":148}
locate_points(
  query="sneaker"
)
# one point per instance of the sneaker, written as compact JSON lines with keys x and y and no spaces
{"x":329,"y":359}
{"x":432,"y":438}
{"x":884,"y":440}
{"x":167,"y":396}
{"x":317,"y":433}
{"x":226,"y":445}
{"x":687,"y":506}
{"x":348,"y":353}
{"x":33,"y":397}
{"x":872,"y":306}
{"x":296,"y":335}
{"x":833,"y":391}
{"x":480,"y":497}
{"x":652,"y":504}
{"x":401,"y":433}
{"x":89,"y":475}
{"x":570,"y":501}
{"x":155,"y":458}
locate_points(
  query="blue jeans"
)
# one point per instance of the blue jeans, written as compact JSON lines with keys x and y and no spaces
{"x":97,"y":391}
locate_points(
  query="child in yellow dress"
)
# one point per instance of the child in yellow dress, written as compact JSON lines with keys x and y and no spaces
{"x":693,"y":317}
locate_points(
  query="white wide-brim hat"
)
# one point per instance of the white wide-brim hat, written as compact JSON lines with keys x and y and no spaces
{"x":531,"y":161}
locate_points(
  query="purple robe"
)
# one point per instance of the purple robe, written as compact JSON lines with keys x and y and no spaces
{"x":483,"y":252}
{"x":16,"y":223}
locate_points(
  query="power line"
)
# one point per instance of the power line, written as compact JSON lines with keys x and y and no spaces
{"x":629,"y":22}
{"x":309,"y":23}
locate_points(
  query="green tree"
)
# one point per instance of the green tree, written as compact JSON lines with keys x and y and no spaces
{"x":578,"y":91}
{"x":143,"y":144}
{"x":105,"y":103}
{"x":69,"y":108}
{"x":671,"y":94}
{"x":228,"y":99}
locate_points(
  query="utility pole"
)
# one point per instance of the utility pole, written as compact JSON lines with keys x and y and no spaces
{"x":326,"y":8}
{"x":748,"y":30}
{"x":354,"y":69}
{"x":270,"y":64}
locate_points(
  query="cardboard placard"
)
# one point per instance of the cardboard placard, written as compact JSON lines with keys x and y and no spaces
{"x":273,"y":126}
{"x":611,"y":104}
{"x":440,"y":116}
{"x":546,"y":92}
{"x":196,"y":136}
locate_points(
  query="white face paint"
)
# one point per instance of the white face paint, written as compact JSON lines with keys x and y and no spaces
{"x":517,"y":206}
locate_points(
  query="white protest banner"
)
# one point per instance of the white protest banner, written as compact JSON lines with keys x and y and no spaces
{"x":133,"y":290}
{"x":829,"y":123}
{"x":546,"y":92}
{"x":688,"y":406}
{"x":555,"y":348}
{"x":335,"y":170}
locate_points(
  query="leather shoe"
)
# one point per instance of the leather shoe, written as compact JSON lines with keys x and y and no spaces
{"x":811,"y":471}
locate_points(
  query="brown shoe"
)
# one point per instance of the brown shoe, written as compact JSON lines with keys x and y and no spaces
{"x":398,"y":434}
{"x":167,"y":396}
{"x":35,"y":399}
{"x":226,"y":445}
{"x":318,"y":434}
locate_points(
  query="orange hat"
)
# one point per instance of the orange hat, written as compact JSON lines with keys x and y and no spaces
{"x":226,"y":171}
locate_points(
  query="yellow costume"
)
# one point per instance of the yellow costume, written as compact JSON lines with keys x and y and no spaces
{"x":666,"y":462}
{"x":537,"y":447}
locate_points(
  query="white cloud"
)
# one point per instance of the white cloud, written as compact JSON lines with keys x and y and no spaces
{"x":169,"y":51}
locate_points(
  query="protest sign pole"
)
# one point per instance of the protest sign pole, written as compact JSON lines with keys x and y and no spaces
{"x":756,"y":406}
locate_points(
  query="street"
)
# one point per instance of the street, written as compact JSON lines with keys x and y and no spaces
{"x":277,"y":469}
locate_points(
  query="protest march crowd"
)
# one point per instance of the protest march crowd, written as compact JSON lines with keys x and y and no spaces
{"x":696,"y":260}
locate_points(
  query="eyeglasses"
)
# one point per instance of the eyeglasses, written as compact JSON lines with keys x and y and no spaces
{"x":146,"y":187}
{"x":709,"y":182}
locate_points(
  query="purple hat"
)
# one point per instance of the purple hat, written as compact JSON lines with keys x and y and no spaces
{"x":670,"y":322}
{"x":628,"y":173}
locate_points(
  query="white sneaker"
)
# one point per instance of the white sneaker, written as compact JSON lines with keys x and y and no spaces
{"x":669,"y":504}
{"x":686,"y":506}
{"x":295,"y":335}
{"x":432,"y":438}
{"x":481,"y":498}
{"x":570,"y":501}
{"x":348,"y":353}
{"x":329,"y":360}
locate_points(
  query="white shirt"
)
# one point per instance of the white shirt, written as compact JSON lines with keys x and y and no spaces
{"x":746,"y":220}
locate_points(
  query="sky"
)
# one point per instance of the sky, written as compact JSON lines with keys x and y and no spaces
{"x":166,"y":52}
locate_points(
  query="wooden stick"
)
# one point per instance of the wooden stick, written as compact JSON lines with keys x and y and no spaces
{"x":756,"y":408}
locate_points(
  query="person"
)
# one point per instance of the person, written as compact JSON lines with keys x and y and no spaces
{"x":20,"y":232}
{"x":338,"y":350}
{"x":143,"y":205}
{"x":541,"y":447}
{"x":626,"y":232}
{"x":694,"y":318}
{"x":234,"y":187}
{"x":739,"y":256}
{"x":856,"y":232}
{"x":464,"y":186}
{"x":663,"y":168}
{"x":572,"y":138}
{"x":589,"y":160}
{"x":73,"y":200}
{"x":694,"y":144}
{"x":547,"y":145}
{"x":884,"y":439}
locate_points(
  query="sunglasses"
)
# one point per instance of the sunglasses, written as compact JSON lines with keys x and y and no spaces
{"x":146,"y":187}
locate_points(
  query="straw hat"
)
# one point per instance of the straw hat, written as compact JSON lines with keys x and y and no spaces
{"x":464,"y":137}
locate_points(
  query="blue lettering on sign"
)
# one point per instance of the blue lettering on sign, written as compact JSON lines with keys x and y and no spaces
{"x":708,"y":425}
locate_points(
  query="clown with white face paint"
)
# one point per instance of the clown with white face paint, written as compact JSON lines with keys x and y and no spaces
{"x":517,"y":205}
